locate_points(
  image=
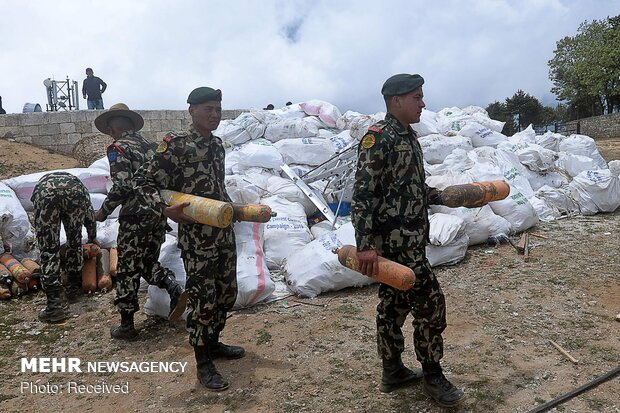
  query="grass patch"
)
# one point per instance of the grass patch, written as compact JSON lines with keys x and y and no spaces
{"x":263,"y":337}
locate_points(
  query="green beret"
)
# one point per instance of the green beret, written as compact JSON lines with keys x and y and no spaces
{"x":401,"y":84}
{"x":204,"y":94}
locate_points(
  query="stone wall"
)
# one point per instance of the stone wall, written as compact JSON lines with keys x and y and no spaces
{"x":597,"y":127}
{"x":60,"y":131}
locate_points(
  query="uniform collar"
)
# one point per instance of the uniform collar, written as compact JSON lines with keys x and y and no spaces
{"x":198,"y":138}
{"x":395,"y":124}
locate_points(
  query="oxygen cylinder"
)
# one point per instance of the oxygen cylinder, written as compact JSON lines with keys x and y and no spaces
{"x":89,"y":269}
{"x":113,"y":261}
{"x":4,"y":272}
{"x":389,"y":272}
{"x":32,"y":266}
{"x":104,"y":282}
{"x":20,"y":273}
{"x":252,"y":212}
{"x":475,"y":194}
{"x":204,"y":210}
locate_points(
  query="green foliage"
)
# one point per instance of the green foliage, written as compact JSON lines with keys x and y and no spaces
{"x":585,"y":69}
{"x":498,"y":111}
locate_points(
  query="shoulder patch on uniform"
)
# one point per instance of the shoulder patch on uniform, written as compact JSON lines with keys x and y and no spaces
{"x":112,"y":155}
{"x":375,"y":129}
{"x":162,"y":147}
{"x":368,"y":141}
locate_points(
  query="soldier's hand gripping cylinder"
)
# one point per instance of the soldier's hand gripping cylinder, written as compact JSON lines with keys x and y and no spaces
{"x":391,"y":273}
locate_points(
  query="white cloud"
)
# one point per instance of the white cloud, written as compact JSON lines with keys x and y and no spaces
{"x":153,"y":53}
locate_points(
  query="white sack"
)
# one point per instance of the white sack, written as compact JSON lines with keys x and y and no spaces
{"x":245,"y":127}
{"x":253,"y":279}
{"x":481,"y":135}
{"x":95,"y":180}
{"x":15,"y":228}
{"x":286,"y":188}
{"x":444,"y":228}
{"x":342,"y":140}
{"x":327,"y":112}
{"x":241,"y":191}
{"x":582,"y":145}
{"x":550,"y":140}
{"x":457,"y":161}
{"x":97,"y":200}
{"x":285,"y":233}
{"x":574,"y":164}
{"x":545,"y":211}
{"x":447,"y":254}
{"x":290,"y":128}
{"x":158,"y":300}
{"x":478,"y":223}
{"x":260,"y":153}
{"x":427,"y":124}
{"x":315,"y":269}
{"x":558,"y":199}
{"x":308,"y":151}
{"x":436,"y":148}
{"x":596,"y":191}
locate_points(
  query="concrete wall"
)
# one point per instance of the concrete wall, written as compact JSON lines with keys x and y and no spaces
{"x":597,"y":127}
{"x":60,"y":131}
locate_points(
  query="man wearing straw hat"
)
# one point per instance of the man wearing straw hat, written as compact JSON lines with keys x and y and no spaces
{"x":142,"y":228}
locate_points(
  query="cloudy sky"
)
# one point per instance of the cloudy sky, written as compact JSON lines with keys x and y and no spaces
{"x":153,"y":53}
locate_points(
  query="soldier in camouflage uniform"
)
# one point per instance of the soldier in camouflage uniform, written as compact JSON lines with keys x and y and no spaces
{"x":390,"y":216}
{"x":60,"y":197}
{"x":193,"y":162}
{"x":142,"y":228}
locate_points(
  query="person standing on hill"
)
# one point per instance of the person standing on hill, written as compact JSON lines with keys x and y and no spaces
{"x":142,"y":229}
{"x":390,"y":216}
{"x":92,"y":89}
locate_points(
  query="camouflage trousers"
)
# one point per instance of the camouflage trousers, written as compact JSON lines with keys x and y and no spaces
{"x":425,"y":302}
{"x":69,"y":208}
{"x":211,"y":291}
{"x":138,"y":245}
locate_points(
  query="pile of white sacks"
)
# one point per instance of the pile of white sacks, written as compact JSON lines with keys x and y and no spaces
{"x":550,"y":176}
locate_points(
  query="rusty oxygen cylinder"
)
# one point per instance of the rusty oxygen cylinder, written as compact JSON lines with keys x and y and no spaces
{"x":32,"y":266}
{"x":113,"y":261}
{"x":89,"y":270}
{"x":475,"y":194}
{"x":391,"y":273}
{"x":252,"y":212}
{"x":104,"y":282}
{"x":204,"y":210}
{"x":20,"y":273}
{"x":5,"y":283}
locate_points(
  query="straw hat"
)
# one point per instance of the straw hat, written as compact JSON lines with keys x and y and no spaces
{"x":119,"y":109}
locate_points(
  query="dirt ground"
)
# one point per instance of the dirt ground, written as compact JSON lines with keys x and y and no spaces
{"x":320,"y":355}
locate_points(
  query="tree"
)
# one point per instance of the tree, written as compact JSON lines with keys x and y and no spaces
{"x":498,"y":111}
{"x":585,"y":69}
{"x":526,"y":109}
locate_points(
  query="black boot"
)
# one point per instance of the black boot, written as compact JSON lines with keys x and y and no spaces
{"x":395,"y":375}
{"x":207,"y":374}
{"x":53,"y":312}
{"x":126,"y":331}
{"x":438,"y":388}
{"x":174,"y":291}
{"x":74,"y":288}
{"x":221,"y":350}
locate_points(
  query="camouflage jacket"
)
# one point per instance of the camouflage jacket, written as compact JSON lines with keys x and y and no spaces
{"x":67,"y":185}
{"x":126,"y":155}
{"x":390,"y":197}
{"x":190,"y":163}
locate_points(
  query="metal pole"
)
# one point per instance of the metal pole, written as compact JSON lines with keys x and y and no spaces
{"x":565,"y":397}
